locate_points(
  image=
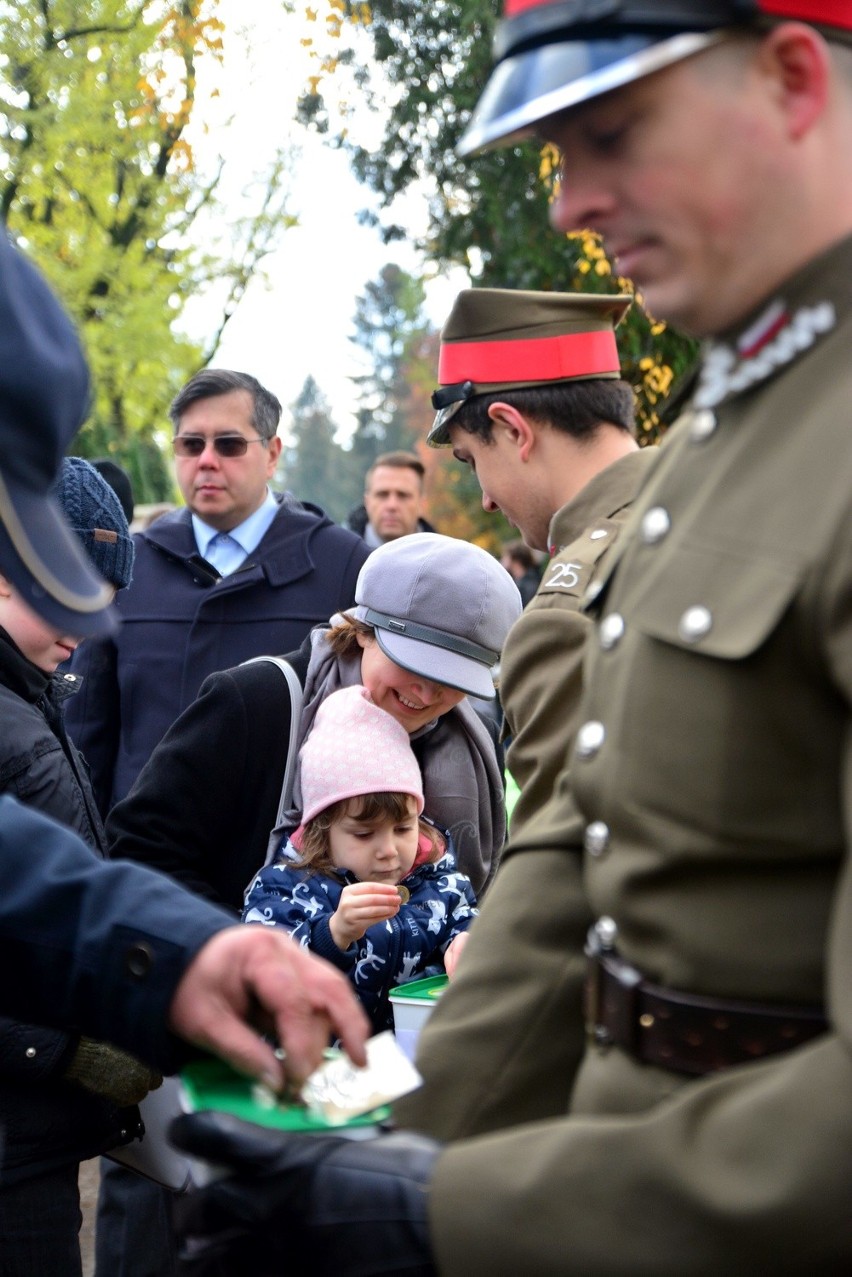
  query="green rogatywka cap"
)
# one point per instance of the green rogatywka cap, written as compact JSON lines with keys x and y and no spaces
{"x":505,"y":339}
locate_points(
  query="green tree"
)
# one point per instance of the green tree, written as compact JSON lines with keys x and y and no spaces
{"x":314,"y":467}
{"x":98,"y":181}
{"x":389,"y":323}
{"x":488,"y":214}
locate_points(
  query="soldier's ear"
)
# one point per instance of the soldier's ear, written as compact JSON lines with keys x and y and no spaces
{"x":800,"y":64}
{"x":514,"y":426}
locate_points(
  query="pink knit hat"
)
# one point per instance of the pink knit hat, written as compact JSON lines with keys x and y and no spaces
{"x":355,"y":748}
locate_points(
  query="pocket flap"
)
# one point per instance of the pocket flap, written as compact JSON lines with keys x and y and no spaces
{"x":722,"y":604}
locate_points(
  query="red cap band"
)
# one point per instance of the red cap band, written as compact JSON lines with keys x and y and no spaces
{"x":831,"y":13}
{"x":535,"y":359}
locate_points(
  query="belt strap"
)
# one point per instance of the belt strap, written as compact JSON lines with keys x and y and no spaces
{"x":683,"y":1032}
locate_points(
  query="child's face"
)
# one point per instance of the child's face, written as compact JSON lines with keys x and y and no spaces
{"x":38,"y":641}
{"x":376,"y":850}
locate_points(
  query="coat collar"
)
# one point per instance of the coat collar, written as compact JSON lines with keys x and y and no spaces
{"x":778,"y":333}
{"x":603,"y":497}
{"x":284,"y":552}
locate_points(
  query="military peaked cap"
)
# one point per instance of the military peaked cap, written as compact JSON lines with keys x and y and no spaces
{"x":504,"y":339}
{"x":554,"y":54}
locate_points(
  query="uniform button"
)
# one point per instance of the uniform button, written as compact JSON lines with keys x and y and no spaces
{"x":598,"y":534}
{"x":139,"y":959}
{"x":704,"y":424}
{"x":596,"y":840}
{"x":611,"y":631}
{"x":606,"y":932}
{"x":592,"y":592}
{"x":655,"y":526}
{"x":695,"y":624}
{"x":30,"y":1053}
{"x":590,"y":737}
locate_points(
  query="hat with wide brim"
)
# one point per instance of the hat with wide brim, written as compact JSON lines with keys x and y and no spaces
{"x":551,"y":55}
{"x":440,"y":608}
{"x":43,"y":400}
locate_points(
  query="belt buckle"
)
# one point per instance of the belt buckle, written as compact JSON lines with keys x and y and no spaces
{"x":610,"y":999}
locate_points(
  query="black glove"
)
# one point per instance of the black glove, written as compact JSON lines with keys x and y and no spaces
{"x":348,"y":1208}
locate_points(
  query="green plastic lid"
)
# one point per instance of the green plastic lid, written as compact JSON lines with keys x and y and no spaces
{"x":420,"y":990}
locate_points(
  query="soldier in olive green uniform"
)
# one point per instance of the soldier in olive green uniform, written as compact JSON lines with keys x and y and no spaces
{"x":705,"y":830}
{"x":532,"y":400}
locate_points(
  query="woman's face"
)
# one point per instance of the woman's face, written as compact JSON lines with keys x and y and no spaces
{"x":412,"y":700}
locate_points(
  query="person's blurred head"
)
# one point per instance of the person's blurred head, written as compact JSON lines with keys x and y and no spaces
{"x":709,"y":143}
{"x":225,"y":445}
{"x":119,"y":480}
{"x":517,"y":558}
{"x":93,"y":510}
{"x":393,"y":494}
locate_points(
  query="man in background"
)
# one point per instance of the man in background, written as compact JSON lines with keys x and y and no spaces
{"x":520,"y":562}
{"x":237,"y":573}
{"x":393,"y":500}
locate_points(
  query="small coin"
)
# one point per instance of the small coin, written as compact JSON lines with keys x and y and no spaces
{"x":404,"y":894}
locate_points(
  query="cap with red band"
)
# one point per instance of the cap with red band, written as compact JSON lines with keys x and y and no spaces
{"x":503,"y":339}
{"x":554,"y":54}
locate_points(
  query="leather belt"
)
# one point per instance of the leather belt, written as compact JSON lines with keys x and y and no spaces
{"x":683,"y":1032}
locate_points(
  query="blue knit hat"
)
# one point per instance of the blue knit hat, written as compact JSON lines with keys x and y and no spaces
{"x":94,"y":512}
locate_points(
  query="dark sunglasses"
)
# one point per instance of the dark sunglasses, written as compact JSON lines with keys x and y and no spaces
{"x":225,"y":445}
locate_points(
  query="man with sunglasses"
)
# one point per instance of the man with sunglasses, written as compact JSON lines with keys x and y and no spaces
{"x":238,"y":572}
{"x":700,"y":850}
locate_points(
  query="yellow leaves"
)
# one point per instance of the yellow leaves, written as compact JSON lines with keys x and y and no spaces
{"x":548,"y":167}
{"x":181,"y":156}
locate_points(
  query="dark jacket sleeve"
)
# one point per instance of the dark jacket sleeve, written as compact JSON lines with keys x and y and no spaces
{"x":202,"y":808}
{"x":93,"y":716}
{"x":96,"y":946}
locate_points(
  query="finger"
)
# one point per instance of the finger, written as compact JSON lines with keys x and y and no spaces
{"x":229,"y":1037}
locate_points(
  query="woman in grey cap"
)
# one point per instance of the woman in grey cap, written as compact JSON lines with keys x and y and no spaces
{"x":431,"y":616}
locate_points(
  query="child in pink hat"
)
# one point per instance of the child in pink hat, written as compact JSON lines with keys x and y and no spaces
{"x":366,"y":881}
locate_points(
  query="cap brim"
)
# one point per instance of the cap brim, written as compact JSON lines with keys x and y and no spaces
{"x":46,"y":563}
{"x":531,"y":86}
{"x":439,"y":433}
{"x":437,"y":664}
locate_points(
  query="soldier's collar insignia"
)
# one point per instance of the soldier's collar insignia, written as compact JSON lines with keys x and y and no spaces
{"x":775,"y":339}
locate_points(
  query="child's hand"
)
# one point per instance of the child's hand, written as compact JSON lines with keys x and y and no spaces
{"x":452,"y":953}
{"x":361,"y":905}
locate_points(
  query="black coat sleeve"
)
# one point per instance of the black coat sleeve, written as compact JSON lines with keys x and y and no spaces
{"x":202,"y":807}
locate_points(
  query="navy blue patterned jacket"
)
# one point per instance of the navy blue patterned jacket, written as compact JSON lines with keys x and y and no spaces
{"x":408,"y":947}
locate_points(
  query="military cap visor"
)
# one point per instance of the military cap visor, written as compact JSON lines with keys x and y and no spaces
{"x":46,"y":563}
{"x":43,"y":398}
{"x":553,"y":56}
